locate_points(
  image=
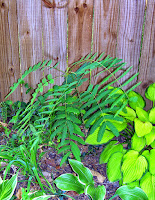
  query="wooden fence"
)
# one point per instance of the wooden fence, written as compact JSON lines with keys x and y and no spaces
{"x":35,"y":30}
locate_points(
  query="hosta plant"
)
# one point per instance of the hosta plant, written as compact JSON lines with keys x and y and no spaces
{"x":84,"y":183}
{"x":131,"y":162}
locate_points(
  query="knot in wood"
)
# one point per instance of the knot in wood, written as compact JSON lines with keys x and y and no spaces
{"x":76,"y":9}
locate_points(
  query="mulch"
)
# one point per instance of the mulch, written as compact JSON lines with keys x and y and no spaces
{"x":50,"y":165}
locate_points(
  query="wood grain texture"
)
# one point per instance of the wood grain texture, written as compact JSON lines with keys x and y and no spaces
{"x":130,"y":34}
{"x":106,"y":15}
{"x":80,"y":16}
{"x":147,"y":61}
{"x":55,"y":37}
{"x":9,"y":54}
{"x":30,"y":38}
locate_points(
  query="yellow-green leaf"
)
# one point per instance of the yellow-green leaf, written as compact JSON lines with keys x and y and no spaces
{"x":129,"y":114}
{"x":150,"y":137}
{"x":147,"y":183}
{"x":92,"y":139}
{"x":114,"y":167}
{"x":152,"y":115}
{"x":137,"y":143}
{"x":152,"y":162}
{"x":142,"y":114}
{"x":142,"y":128}
{"x":133,"y":167}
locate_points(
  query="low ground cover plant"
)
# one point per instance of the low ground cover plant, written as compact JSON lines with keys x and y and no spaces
{"x":54,"y":118}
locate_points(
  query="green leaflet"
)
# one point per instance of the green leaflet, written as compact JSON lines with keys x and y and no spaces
{"x":65,"y":158}
{"x":142,"y":128}
{"x":84,"y":174}
{"x":114,"y":167}
{"x":152,"y":162}
{"x":147,"y":183}
{"x":133,"y":167}
{"x":110,"y":149}
{"x":69,"y":182}
{"x":75,"y":150}
{"x":137,"y":143}
{"x":96,"y":193}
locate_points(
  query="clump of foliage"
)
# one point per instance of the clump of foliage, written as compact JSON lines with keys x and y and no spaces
{"x":132,"y":164}
{"x":54,"y":118}
{"x":84,"y":183}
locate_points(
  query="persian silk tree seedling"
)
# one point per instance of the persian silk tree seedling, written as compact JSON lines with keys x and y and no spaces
{"x":58,"y":114}
{"x":134,"y":165}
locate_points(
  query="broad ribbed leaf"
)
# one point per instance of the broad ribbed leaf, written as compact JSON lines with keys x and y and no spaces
{"x":137,"y":143}
{"x":147,"y":183}
{"x":114,"y":167}
{"x":96,"y":193}
{"x":110,"y":149}
{"x":69,"y":182}
{"x":92,"y":139}
{"x":152,"y":162}
{"x":129,"y":193}
{"x":142,"y":114}
{"x":142,"y":128}
{"x":84,"y":174}
{"x":133,"y":167}
{"x":152,"y":115}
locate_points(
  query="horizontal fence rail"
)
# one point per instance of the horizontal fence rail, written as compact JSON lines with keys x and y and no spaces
{"x":64,"y":31}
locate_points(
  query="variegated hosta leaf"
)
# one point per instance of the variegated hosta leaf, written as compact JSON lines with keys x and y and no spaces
{"x":137,"y":143}
{"x":152,"y":162}
{"x":142,"y":128}
{"x":129,"y":114}
{"x":114,"y":167}
{"x":69,"y":182}
{"x":133,"y":167}
{"x":111,"y":148}
{"x":147,"y":183}
{"x":139,"y":100}
{"x":92,"y":139}
{"x":142,"y":114}
{"x":96,"y":193}
{"x":131,"y":193}
{"x":84,"y":174}
{"x":150,"y":137}
{"x":152,"y":115}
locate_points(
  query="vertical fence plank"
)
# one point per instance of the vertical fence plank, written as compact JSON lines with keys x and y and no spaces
{"x":147,"y":61}
{"x":130,"y":34}
{"x":80,"y":19}
{"x":9,"y":54}
{"x":30,"y":37}
{"x":106,"y":15}
{"x":80,"y":16}
{"x":54,"y":17}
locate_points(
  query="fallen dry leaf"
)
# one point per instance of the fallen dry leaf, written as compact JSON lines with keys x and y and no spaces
{"x":100,"y":178}
{"x":19,"y":193}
